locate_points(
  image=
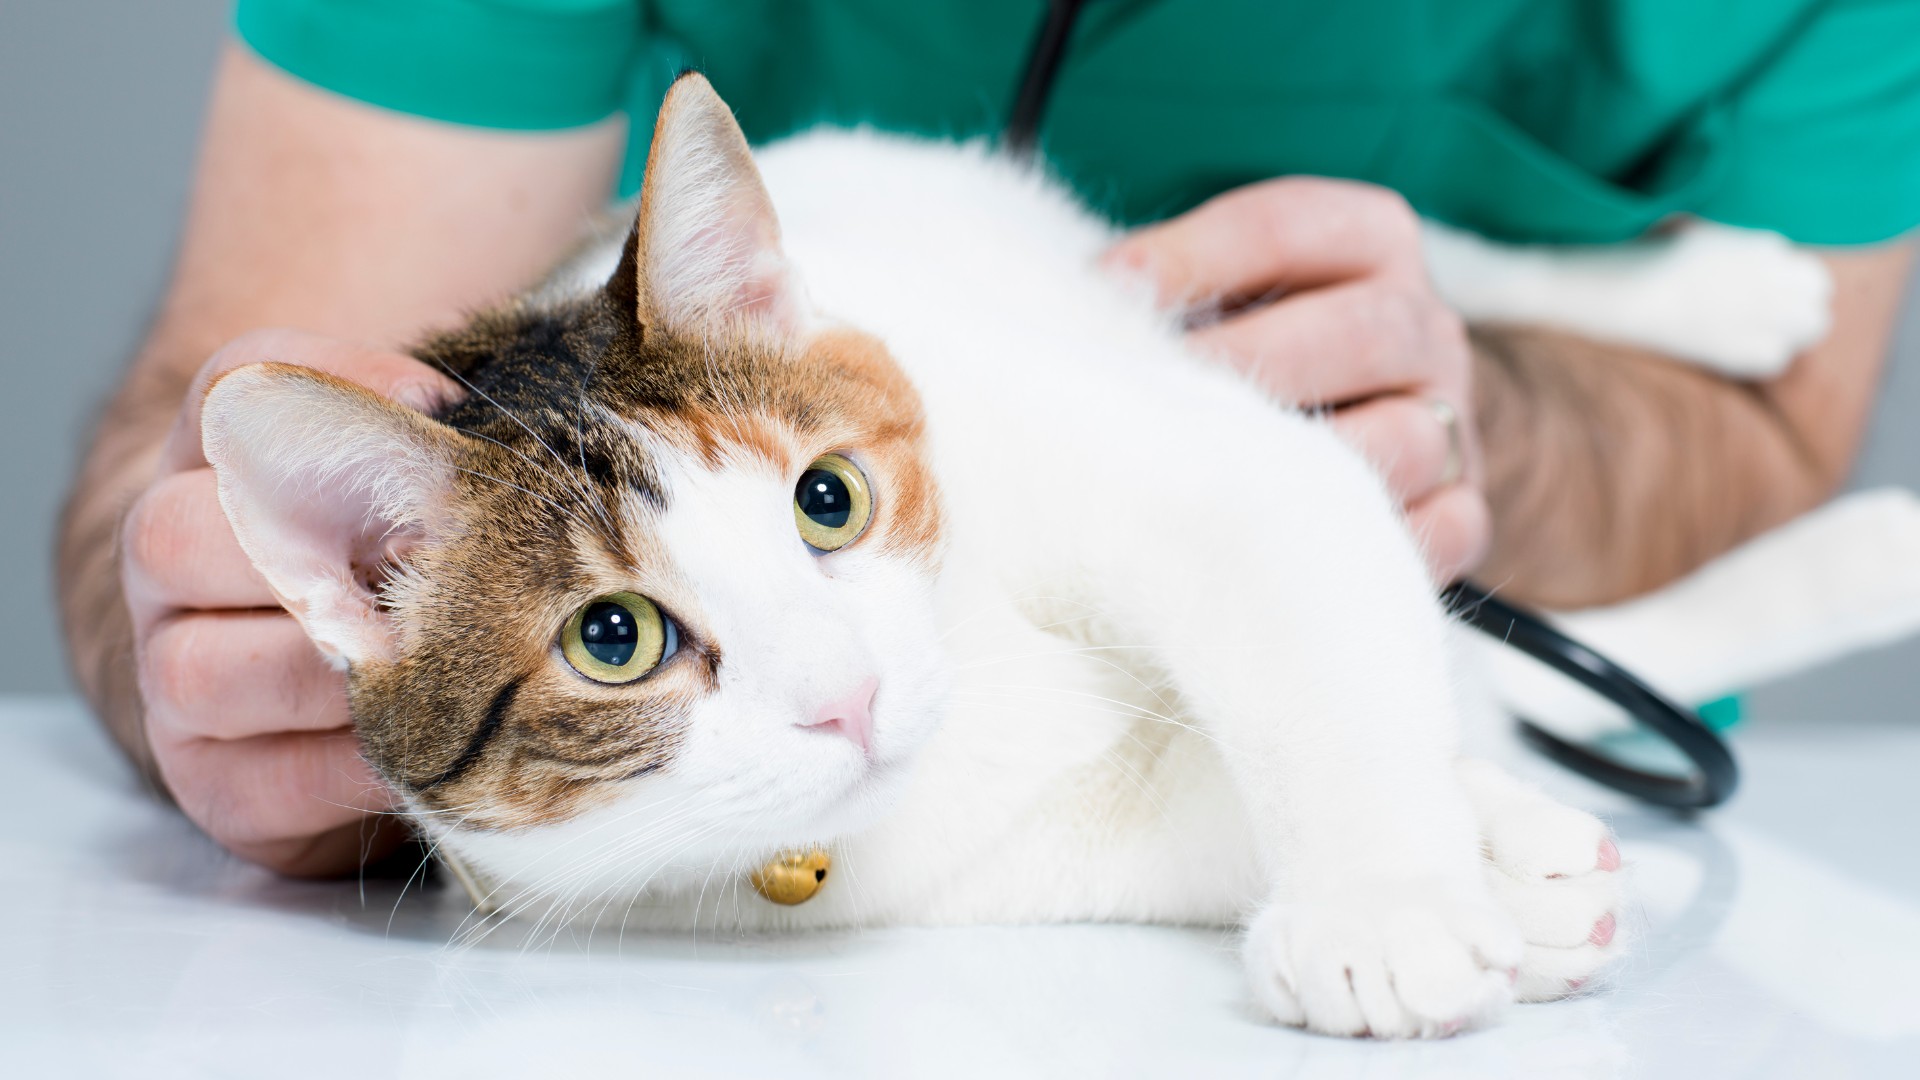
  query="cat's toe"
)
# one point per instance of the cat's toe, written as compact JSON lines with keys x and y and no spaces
{"x":1561,"y":910}
{"x":1532,"y":837}
{"x":1571,"y":921}
{"x":1557,"y":872}
{"x":1549,"y":974}
{"x":1392,"y":964}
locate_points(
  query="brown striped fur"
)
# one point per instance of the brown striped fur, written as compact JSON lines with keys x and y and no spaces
{"x":549,"y":496}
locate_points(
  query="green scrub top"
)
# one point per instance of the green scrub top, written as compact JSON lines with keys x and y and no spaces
{"x":1543,"y":120}
{"x":1546,"y":120}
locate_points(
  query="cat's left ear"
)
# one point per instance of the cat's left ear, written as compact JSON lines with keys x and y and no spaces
{"x":704,"y":256}
{"x":328,"y":487}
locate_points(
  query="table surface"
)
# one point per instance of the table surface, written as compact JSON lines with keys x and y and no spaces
{"x":1778,"y":937}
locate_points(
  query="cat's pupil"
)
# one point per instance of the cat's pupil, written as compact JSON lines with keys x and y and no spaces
{"x":609,"y":632}
{"x":824,"y":498}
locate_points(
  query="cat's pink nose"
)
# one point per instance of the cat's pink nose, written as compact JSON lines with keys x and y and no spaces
{"x":851,"y":715}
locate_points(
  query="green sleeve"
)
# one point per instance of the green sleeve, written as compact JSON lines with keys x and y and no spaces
{"x":1823,"y":141}
{"x":520,"y":64}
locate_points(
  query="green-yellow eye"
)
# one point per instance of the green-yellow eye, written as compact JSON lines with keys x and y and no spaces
{"x":617,"y":638}
{"x":831,"y":503}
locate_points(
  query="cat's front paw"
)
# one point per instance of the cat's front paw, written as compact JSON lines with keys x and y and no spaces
{"x":1395,"y":960}
{"x":1555,"y":870}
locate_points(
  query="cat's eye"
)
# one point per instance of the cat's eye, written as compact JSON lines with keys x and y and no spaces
{"x":831,"y":503}
{"x":618,"y":638}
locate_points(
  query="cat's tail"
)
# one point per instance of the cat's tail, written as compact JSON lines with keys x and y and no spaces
{"x":1837,"y":581}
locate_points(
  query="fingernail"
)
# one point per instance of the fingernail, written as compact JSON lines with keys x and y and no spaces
{"x":1123,"y":258}
{"x":424,"y":397}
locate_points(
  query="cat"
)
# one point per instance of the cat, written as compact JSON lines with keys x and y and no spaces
{"x":850,"y":517}
{"x":1742,"y":302}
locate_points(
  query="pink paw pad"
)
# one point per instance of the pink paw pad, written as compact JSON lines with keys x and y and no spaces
{"x":1609,"y":855}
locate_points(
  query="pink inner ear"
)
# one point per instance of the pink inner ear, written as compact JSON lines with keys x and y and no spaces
{"x":758,"y":287}
{"x":377,"y":563}
{"x":707,"y":230}
{"x":337,"y":528}
{"x":325,"y":485}
{"x":325,"y":547}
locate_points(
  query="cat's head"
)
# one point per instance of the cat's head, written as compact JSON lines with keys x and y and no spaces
{"x":662,"y":586}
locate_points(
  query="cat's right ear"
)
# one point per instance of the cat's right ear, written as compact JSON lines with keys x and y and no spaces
{"x":327,"y":486}
{"x":704,"y":257}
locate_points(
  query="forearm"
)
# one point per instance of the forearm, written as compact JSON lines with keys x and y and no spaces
{"x":1612,"y":471}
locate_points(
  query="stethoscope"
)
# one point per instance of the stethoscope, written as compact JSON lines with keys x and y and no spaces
{"x":1714,"y":775}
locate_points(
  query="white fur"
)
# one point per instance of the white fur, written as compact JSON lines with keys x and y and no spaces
{"x":315,"y":490}
{"x":1743,"y":302}
{"x":1197,"y":671}
{"x":715,"y":253}
{"x":796,"y":631}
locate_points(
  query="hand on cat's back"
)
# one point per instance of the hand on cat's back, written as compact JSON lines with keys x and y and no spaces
{"x":247,"y":722}
{"x":1326,"y":303}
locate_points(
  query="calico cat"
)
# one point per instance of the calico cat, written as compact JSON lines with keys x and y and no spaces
{"x":948,"y":571}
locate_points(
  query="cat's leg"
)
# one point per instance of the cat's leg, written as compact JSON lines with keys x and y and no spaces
{"x":1260,"y":564}
{"x":1556,"y":870}
{"x":1378,"y":923}
{"x":1742,"y":302}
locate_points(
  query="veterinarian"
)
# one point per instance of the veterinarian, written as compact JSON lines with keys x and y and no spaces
{"x":371,"y":169}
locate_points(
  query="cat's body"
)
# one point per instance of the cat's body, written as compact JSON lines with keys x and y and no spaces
{"x":1067,"y":426}
{"x":1124,"y":640}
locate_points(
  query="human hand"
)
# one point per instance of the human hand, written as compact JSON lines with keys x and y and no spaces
{"x":246,"y":721}
{"x":1355,"y":329}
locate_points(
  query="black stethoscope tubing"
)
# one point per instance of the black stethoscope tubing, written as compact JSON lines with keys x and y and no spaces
{"x":1715,"y":773}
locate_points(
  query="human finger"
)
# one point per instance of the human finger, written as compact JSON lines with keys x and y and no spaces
{"x":1454,"y":527}
{"x":1289,"y":233}
{"x":1340,"y":344}
{"x":235,"y":675}
{"x":337,"y":851}
{"x":178,"y":551}
{"x":390,"y":374}
{"x":1409,"y":439}
{"x":270,"y":788}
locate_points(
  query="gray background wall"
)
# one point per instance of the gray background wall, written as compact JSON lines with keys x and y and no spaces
{"x":99,"y":105}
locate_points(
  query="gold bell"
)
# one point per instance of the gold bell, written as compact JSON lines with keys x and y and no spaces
{"x":792,"y":878}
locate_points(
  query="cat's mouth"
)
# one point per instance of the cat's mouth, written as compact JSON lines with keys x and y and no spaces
{"x":872,"y":791}
{"x":860,"y":775}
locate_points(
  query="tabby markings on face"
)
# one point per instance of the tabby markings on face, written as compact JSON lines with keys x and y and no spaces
{"x":523,"y":642}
